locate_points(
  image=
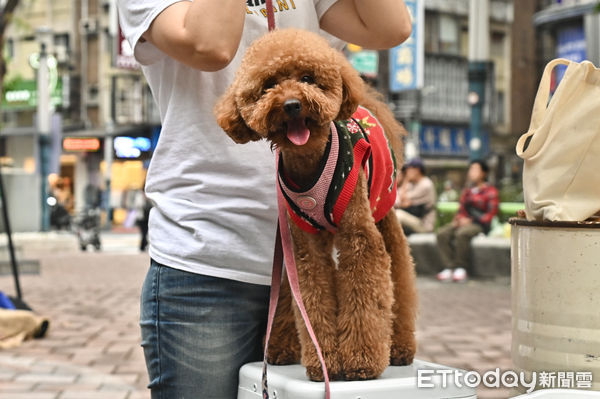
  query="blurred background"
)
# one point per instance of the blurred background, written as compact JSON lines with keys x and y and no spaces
{"x":99,"y":124}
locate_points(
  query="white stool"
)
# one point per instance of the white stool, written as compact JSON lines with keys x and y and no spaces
{"x":290,"y":382}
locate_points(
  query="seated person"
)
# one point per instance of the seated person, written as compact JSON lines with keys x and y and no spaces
{"x":478,"y":206}
{"x":415,"y":202}
{"x":449,"y":194}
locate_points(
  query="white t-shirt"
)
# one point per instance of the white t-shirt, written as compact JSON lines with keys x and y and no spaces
{"x":215,"y":209}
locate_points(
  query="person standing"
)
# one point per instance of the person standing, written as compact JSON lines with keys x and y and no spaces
{"x":142,"y":216}
{"x":212,"y":227}
{"x":478,"y":206}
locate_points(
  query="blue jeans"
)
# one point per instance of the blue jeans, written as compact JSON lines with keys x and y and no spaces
{"x":197,"y":331}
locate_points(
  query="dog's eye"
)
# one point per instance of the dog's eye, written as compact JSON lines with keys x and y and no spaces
{"x":307,"y":79}
{"x":269,"y":84}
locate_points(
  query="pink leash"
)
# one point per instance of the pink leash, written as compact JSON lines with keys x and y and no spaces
{"x":270,"y":15}
{"x":283,"y":250}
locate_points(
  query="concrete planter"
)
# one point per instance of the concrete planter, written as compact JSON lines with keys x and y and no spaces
{"x":556,"y":298}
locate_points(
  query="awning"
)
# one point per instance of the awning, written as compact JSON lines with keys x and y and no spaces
{"x":120,"y":130}
{"x":18,"y":131}
{"x":77,"y":131}
{"x":556,"y":14}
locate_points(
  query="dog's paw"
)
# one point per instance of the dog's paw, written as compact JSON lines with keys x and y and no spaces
{"x":361,"y":366}
{"x":315,"y":373}
{"x":334,"y":371}
{"x":283,"y":357}
{"x":402,"y":355}
{"x":361,"y":374}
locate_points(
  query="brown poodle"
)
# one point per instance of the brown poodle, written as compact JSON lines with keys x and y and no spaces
{"x":289,"y":89}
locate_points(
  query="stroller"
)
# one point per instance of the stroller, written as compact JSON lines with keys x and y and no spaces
{"x":87,"y":223}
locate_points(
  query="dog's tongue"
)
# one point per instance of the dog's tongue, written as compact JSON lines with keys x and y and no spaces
{"x":297,"y":132}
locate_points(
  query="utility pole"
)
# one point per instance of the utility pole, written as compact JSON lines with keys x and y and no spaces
{"x":108,"y":160}
{"x":113,"y":31}
{"x":44,"y":115}
{"x":479,"y":54}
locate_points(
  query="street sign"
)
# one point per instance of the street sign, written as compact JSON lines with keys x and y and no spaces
{"x":81,"y":144}
{"x":366,"y":62}
{"x":406,"y":60}
{"x":571,"y":44}
{"x":22,"y":94}
{"x":446,"y":141}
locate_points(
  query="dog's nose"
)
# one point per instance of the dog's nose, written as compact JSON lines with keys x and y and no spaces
{"x":292,"y":107}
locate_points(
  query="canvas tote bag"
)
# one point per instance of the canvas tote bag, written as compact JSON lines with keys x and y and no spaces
{"x":561,"y":173}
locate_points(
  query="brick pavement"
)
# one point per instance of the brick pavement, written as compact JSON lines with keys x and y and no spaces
{"x":466,"y":325}
{"x":92,"y":348}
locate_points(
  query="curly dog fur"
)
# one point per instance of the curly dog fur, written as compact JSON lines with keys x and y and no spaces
{"x":363,"y":310}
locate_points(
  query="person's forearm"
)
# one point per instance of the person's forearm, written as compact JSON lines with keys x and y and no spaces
{"x":376,"y":24}
{"x":418,"y":196}
{"x":384,"y":16}
{"x":198,"y":33}
{"x":492,"y":211}
{"x":462,"y":210}
{"x":212,"y":27}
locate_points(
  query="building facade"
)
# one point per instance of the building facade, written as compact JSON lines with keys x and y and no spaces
{"x":568,"y":29}
{"x":104,"y":122}
{"x":438,"y":113}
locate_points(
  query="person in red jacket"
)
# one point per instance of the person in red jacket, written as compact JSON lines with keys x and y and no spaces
{"x":478,"y":206}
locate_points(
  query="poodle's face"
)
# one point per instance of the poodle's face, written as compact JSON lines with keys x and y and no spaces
{"x":290,"y":86}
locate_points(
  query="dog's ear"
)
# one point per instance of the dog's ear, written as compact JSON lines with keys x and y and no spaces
{"x":229,"y":118}
{"x":353,"y":88}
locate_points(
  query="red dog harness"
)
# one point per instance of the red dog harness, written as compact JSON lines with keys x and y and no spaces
{"x":354,"y":144}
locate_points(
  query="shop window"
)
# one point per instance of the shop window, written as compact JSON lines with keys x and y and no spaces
{"x":443,"y":34}
{"x":9,"y":48}
{"x":431,"y":33}
{"x":500,"y":56}
{"x":448,"y":37}
{"x":497,"y":44}
{"x":62,"y":47}
{"x":500,"y":107}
